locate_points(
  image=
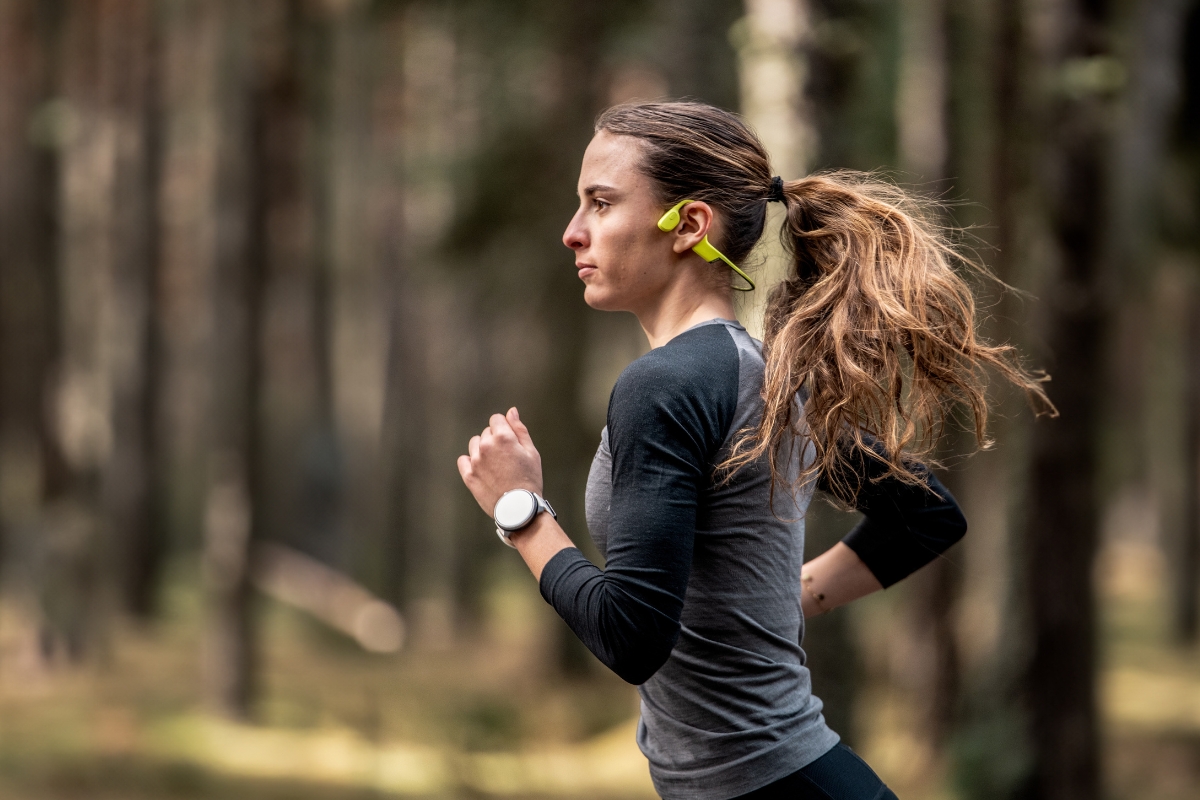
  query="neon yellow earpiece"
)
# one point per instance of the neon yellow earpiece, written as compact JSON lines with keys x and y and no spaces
{"x":670,"y":220}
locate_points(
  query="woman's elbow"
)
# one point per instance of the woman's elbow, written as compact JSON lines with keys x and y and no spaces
{"x":956,"y":526}
{"x":636,"y":669}
{"x":635,"y":661}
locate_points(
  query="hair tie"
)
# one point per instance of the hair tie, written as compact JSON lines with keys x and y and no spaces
{"x":776,"y":195}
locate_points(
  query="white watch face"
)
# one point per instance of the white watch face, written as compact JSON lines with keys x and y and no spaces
{"x":514,"y":509}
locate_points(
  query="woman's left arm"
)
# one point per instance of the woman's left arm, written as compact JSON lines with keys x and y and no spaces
{"x":905,"y":526}
{"x":834,"y":578}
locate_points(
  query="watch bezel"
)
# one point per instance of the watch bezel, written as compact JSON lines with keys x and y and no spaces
{"x":534,"y":509}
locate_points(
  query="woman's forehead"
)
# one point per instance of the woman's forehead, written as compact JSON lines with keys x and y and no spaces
{"x":614,"y":161}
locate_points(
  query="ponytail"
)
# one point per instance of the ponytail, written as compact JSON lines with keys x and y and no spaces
{"x":875,"y":329}
{"x":873,"y":325}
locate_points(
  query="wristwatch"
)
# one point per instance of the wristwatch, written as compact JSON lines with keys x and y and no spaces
{"x":515,"y":509}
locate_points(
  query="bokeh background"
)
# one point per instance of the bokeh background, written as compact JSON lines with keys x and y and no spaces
{"x":265,"y":266}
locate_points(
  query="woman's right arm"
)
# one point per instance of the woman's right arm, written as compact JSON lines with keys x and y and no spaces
{"x":669,"y":413}
{"x":627,"y":615}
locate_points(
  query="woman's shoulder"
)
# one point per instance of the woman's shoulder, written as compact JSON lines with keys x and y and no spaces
{"x":699,"y":367}
{"x":698,"y":357}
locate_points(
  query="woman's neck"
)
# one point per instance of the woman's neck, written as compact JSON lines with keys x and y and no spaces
{"x":674,"y":314}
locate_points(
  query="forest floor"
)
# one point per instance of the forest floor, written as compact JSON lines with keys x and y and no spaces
{"x":484,"y":719}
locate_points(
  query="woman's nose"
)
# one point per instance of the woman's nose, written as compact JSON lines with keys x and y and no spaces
{"x":575,"y":237}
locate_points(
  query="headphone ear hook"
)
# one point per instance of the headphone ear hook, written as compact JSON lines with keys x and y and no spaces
{"x":670,"y":220}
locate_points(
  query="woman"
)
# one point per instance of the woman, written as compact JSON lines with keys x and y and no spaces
{"x":714,"y":445}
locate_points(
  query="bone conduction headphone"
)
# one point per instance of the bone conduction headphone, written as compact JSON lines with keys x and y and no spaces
{"x":670,"y":221}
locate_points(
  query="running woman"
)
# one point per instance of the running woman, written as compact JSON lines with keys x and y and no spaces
{"x":715,"y":443}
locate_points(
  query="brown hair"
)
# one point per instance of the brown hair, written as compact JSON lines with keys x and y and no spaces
{"x":872,"y":323}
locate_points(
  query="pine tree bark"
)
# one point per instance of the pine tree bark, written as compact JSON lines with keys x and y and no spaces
{"x":82,"y":553}
{"x":32,"y":470}
{"x":1186,"y":594}
{"x":28,"y":227}
{"x":129,"y":487}
{"x":924,"y":145}
{"x":563,"y":435}
{"x":258,"y":185}
{"x":697,"y":58}
{"x":231,"y":512}
{"x":921,"y":93}
{"x":1061,"y":533}
{"x":412,"y":106}
{"x":773,"y":47}
{"x":1158,"y":31}
{"x":321,"y":503}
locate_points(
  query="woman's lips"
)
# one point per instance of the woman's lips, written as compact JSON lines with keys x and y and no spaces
{"x":585,"y":269}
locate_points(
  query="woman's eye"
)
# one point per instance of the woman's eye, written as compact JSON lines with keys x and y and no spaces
{"x":601,"y":204}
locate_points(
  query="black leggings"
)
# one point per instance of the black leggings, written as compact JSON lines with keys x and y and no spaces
{"x":837,"y":775}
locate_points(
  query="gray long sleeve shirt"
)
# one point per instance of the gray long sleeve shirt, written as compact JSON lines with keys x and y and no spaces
{"x":699,"y":600}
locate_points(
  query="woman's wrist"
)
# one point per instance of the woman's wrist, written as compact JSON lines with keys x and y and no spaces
{"x":540,"y":541}
{"x":815,"y":597}
{"x":535,"y":525}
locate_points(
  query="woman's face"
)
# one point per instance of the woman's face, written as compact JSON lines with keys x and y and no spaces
{"x":624,"y":260}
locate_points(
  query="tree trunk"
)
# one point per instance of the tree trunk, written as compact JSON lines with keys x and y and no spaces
{"x":921,"y":93}
{"x":1061,"y":533}
{"x":1186,"y":585}
{"x":424,"y":394}
{"x":562,"y":315}
{"x":773,"y":41}
{"x":311,"y":32}
{"x":28,"y":226}
{"x":32,"y":471}
{"x":405,"y":439}
{"x":1152,"y":99}
{"x":105,"y":412}
{"x":257,"y":186}
{"x":923,"y":133}
{"x":129,"y":489}
{"x":696,"y":57}
{"x":989,"y":142}
{"x":357,"y":306}
{"x":180,"y":361}
{"x":81,"y":557}
{"x":1188,"y":596}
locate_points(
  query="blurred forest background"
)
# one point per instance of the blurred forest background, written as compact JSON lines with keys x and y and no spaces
{"x":265,"y":267}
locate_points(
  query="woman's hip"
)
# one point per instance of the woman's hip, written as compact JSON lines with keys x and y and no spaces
{"x":838,"y":775}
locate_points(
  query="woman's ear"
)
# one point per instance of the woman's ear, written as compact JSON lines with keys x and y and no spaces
{"x":695,"y":222}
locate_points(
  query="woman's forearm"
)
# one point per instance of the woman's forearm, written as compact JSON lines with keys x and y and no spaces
{"x":540,"y":541}
{"x":834,"y":578}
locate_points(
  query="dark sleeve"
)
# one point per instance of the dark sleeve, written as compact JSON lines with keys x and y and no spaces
{"x":904,"y":526}
{"x":667,"y":417}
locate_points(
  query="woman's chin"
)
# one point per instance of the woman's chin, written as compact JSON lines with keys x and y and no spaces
{"x":598,"y":299}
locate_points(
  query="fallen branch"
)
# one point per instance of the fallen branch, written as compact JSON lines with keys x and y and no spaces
{"x":332,"y":597}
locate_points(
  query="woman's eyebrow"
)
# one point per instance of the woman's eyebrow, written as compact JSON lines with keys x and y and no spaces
{"x":597,"y":188}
